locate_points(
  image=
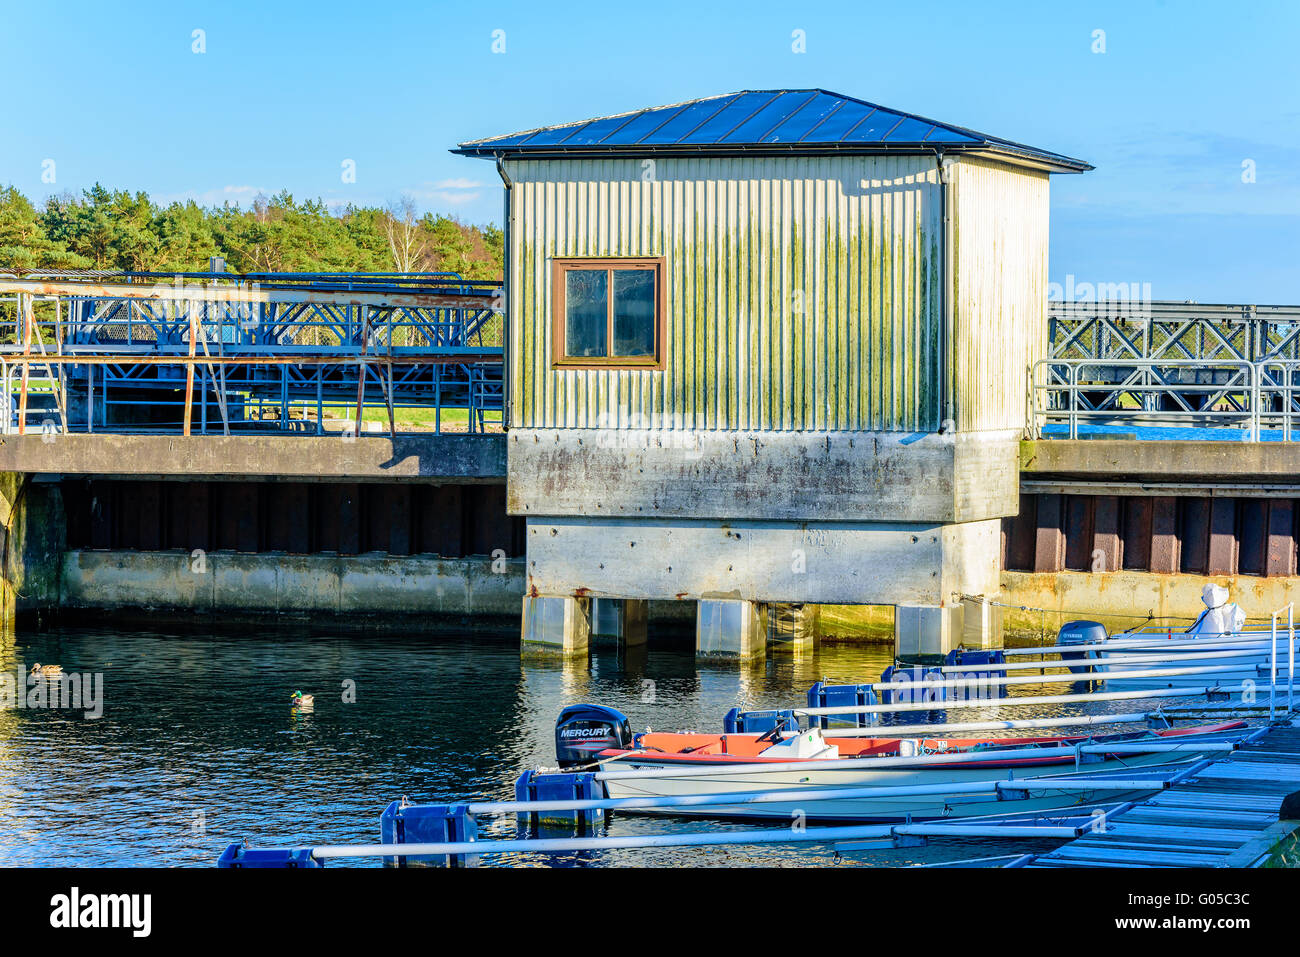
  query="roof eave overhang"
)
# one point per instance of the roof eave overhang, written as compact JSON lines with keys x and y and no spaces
{"x":1006,"y":154}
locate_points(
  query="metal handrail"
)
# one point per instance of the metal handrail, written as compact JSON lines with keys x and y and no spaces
{"x":1057,"y":394}
{"x":222,"y":371}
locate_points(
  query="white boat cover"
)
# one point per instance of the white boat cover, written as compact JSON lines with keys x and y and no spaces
{"x":801,"y":747}
{"x":1220,"y":616}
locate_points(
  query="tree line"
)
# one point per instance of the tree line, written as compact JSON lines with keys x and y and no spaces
{"x":106,"y":229}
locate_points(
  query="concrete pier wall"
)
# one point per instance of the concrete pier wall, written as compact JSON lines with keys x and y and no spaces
{"x":1122,"y":600}
{"x":1089,"y":539}
{"x":232,"y":582}
{"x":365,"y":458}
{"x":380,"y":589}
{"x":1117,"y":530}
{"x":32,"y":542}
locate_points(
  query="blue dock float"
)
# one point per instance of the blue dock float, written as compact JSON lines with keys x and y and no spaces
{"x":759,"y":722}
{"x":536,"y":787}
{"x":239,"y":855}
{"x":403,"y":823}
{"x":822,"y":695}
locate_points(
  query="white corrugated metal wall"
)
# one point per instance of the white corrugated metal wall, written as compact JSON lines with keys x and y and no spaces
{"x":802,"y":293}
{"x":1000,"y":301}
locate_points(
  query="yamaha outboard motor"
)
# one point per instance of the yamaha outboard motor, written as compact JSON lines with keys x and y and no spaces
{"x":584,"y":730}
{"x":1078,"y":633}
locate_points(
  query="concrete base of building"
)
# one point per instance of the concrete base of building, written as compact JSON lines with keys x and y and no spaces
{"x":801,"y":562}
{"x":731,"y":629}
{"x":556,"y":626}
{"x":981,"y":623}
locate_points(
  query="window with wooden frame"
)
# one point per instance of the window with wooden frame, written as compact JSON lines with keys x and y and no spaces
{"x":608,"y":313}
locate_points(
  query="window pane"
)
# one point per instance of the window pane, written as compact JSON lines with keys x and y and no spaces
{"x":634,"y":312}
{"x":586,"y":309}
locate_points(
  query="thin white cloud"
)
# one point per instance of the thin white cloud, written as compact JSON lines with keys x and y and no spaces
{"x":459,"y":182}
{"x":453,"y":198}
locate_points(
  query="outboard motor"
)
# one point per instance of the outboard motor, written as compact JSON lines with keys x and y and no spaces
{"x":584,"y":730}
{"x":1078,"y":633}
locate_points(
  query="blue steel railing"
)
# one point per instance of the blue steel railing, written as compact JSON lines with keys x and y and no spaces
{"x":278,"y":352}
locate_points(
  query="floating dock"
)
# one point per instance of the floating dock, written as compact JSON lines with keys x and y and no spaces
{"x":1222,"y":813}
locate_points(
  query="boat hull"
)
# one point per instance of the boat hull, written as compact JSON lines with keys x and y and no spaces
{"x":1249,"y":672}
{"x":889,"y":805}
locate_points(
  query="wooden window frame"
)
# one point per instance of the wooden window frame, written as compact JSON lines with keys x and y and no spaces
{"x":559,"y":266}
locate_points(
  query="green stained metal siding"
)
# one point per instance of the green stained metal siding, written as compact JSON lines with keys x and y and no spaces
{"x":803,"y":293}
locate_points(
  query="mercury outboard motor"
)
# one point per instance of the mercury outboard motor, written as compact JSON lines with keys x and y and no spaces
{"x":584,"y":730}
{"x":1078,"y":633}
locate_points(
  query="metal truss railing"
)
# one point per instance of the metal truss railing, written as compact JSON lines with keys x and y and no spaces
{"x":1255,"y":400}
{"x":1160,"y":330}
{"x":115,"y":352}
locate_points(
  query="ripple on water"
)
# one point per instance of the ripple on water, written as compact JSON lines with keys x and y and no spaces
{"x":199,"y":746}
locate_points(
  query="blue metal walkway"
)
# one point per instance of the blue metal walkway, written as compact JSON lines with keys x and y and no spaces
{"x":1221,"y":813}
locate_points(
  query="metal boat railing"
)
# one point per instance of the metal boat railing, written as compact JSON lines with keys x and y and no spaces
{"x":981,"y":688}
{"x":1050,"y":825}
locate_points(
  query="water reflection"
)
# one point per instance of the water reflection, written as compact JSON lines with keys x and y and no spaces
{"x":199,"y":745}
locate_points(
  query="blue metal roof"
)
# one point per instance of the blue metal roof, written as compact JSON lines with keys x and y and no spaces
{"x":767,"y":122}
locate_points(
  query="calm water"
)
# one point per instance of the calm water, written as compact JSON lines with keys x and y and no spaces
{"x":198,"y":745}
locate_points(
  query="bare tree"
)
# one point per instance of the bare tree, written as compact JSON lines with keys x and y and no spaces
{"x":401,"y":226}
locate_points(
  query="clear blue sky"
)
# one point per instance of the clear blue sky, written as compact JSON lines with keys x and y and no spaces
{"x":285,"y":92}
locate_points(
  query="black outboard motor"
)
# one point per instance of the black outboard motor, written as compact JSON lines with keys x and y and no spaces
{"x":1078,"y":633}
{"x":584,"y":730}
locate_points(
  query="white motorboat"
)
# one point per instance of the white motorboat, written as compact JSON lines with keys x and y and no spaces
{"x":821,"y":777}
{"x":1218,"y":649}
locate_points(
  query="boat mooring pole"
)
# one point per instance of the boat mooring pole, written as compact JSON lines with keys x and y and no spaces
{"x":1272,"y":675}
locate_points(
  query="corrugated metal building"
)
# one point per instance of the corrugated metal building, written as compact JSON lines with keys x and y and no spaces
{"x":854,"y":292}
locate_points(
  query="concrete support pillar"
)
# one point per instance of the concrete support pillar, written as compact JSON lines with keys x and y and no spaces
{"x":981,"y":624}
{"x":558,"y":626}
{"x":791,"y":627}
{"x":33,"y":538}
{"x":619,"y":621}
{"x":727,"y":628}
{"x":927,"y":629}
